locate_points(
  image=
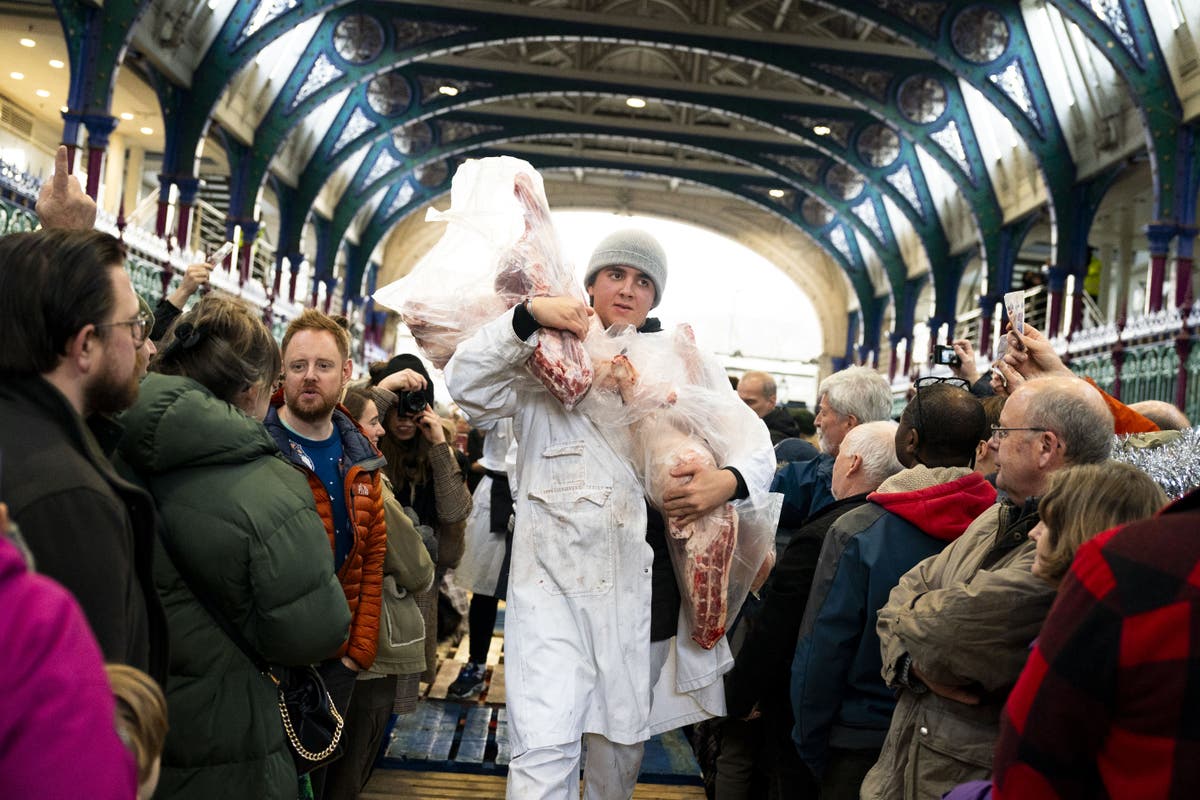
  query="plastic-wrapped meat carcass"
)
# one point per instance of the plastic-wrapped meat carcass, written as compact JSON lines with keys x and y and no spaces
{"x":684,"y":414}
{"x":499,"y":248}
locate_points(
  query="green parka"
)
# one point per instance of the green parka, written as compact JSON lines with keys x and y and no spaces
{"x":244,"y":525}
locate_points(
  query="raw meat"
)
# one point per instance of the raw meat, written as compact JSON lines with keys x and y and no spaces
{"x":702,"y":551}
{"x":533,"y":268}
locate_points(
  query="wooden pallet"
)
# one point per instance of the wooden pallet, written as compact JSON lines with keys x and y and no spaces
{"x":390,"y":784}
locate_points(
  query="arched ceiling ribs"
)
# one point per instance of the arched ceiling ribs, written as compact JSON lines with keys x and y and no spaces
{"x":854,"y":137}
{"x":958,"y":151}
{"x":863,"y":211}
{"x":405,"y":197}
{"x":1123,"y":33}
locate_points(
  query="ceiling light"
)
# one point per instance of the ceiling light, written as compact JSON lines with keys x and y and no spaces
{"x":17,"y":76}
{"x":42,"y":93}
{"x":147,"y":131}
{"x":56,"y":64}
{"x":635,"y":102}
{"x":776,"y":193}
{"x":821,"y":130}
{"x":63,"y":109}
{"x":126,"y":115}
{"x":27,"y":42}
{"x":449,"y":91}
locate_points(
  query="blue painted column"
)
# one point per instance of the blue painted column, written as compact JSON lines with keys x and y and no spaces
{"x":1056,"y":284}
{"x":987,"y":307}
{"x":99,"y":128}
{"x":1160,"y":235}
{"x":294,"y":259}
{"x":188,"y":188}
{"x":249,"y":234}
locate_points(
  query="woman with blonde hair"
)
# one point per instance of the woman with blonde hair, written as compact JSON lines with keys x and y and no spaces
{"x":1085,"y":500}
{"x":241,"y":540}
{"x":141,"y":721}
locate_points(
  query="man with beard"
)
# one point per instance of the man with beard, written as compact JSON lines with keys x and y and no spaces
{"x":321,"y":439}
{"x":74,"y":350}
{"x":844,"y":400}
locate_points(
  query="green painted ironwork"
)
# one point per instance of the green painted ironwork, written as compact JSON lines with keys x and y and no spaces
{"x":1191,"y":399}
{"x":15,"y":218}
{"x":1149,"y":373}
{"x":1098,"y":367}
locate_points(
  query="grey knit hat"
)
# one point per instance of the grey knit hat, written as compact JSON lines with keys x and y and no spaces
{"x":631,"y":248}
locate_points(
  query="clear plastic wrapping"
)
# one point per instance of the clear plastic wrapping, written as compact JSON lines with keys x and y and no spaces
{"x":666,"y":405}
{"x":499,"y":247}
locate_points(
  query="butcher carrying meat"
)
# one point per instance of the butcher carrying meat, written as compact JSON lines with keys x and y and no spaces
{"x":597,"y":646}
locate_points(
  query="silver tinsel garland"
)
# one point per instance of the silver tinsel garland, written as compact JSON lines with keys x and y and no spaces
{"x":1171,"y":458}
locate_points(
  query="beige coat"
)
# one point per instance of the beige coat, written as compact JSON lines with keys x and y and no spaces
{"x":967,"y":617}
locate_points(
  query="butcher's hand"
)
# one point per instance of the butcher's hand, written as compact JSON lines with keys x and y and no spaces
{"x":562,"y":313}
{"x":62,"y":203}
{"x":430,"y":424}
{"x":1031,"y":354}
{"x":708,"y":489}
{"x":406,"y":380}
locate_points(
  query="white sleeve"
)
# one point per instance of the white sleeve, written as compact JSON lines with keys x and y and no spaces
{"x":482,"y":373}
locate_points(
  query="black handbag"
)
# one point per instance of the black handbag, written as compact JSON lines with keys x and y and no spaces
{"x":311,"y":721}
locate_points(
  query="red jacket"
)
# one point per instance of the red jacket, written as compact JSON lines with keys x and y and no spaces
{"x":361,"y":574}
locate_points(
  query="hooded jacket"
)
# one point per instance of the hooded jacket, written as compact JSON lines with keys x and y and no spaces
{"x":361,"y":574}
{"x":838,"y":697}
{"x":966,"y":616}
{"x":242,"y":525}
{"x":781,"y":425}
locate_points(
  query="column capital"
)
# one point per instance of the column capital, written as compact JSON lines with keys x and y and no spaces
{"x":1160,"y":235}
{"x":99,"y":128}
{"x":188,"y":188}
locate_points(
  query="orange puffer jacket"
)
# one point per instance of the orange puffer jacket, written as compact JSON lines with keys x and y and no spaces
{"x":361,"y":574}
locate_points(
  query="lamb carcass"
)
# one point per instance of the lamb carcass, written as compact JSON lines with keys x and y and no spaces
{"x":701,"y":551}
{"x":533,"y":267}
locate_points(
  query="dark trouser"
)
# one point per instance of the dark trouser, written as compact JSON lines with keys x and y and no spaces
{"x":366,"y":724}
{"x":789,"y":778}
{"x":339,"y":682}
{"x":844,"y":772}
{"x":482,"y":622}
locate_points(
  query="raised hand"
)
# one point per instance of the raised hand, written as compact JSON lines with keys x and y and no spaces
{"x":62,"y":203}
{"x":562,"y":313}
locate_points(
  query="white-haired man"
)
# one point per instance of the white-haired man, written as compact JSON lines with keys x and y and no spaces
{"x":844,"y":400}
{"x":760,"y":677}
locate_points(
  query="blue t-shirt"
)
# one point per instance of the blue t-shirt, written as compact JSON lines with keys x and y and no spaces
{"x":325,"y":459}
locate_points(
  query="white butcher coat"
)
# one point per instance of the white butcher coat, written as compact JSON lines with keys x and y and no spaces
{"x":577,"y":623}
{"x":483,"y":556}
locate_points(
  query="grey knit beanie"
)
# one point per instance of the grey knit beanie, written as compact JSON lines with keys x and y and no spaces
{"x":631,"y":248}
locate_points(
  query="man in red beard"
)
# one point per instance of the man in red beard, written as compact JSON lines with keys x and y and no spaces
{"x":321,"y":439}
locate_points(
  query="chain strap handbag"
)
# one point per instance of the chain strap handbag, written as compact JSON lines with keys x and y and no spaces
{"x":311,"y":721}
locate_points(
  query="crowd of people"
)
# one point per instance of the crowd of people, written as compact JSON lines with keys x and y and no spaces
{"x":972,"y":600}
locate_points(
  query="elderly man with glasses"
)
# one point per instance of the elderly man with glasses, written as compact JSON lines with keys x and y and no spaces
{"x":955,"y":632}
{"x":75,"y":348}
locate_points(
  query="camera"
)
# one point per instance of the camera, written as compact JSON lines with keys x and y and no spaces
{"x":410,"y":403}
{"x":944,"y":354}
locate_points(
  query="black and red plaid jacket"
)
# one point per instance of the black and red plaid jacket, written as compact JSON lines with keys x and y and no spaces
{"x":1108,"y":705}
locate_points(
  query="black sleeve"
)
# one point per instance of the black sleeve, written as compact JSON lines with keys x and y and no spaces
{"x":743,"y":491}
{"x":524,"y":325}
{"x":762,"y":668}
{"x":164,"y":315}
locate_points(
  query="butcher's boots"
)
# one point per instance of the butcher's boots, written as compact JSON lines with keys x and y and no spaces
{"x":469,"y":682}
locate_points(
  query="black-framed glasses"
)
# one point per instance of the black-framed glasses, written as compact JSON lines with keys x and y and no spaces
{"x":932,"y":380}
{"x":139,"y":326}
{"x":1000,"y":434}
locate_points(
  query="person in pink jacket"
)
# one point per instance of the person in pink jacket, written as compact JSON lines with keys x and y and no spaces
{"x":58,"y":734}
